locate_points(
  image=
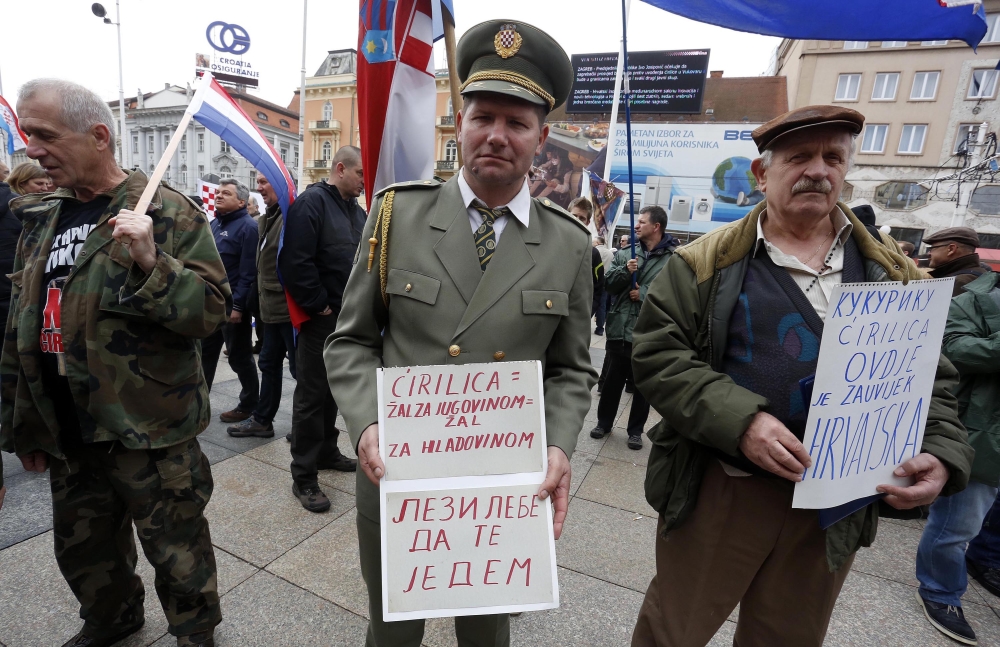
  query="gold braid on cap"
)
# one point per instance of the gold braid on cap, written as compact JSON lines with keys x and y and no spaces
{"x":510,"y":77}
{"x":382,"y":221}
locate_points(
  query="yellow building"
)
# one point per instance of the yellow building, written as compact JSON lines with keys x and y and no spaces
{"x":331,"y":114}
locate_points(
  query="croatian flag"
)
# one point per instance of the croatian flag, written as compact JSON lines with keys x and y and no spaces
{"x":16,"y":139}
{"x":213,"y":108}
{"x":397,"y":95}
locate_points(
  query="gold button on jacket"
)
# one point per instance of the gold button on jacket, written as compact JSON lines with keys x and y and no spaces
{"x":499,"y":355}
{"x":454,"y":350}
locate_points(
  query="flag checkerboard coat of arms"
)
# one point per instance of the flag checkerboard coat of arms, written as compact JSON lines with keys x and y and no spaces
{"x":208,"y":198}
{"x":507,"y":41}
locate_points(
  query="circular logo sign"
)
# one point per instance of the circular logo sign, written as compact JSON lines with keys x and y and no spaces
{"x":224,"y":37}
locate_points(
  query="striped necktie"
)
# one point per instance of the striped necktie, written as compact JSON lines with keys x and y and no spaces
{"x":486,"y":237}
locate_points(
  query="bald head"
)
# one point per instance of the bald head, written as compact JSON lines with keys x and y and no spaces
{"x":346,"y":173}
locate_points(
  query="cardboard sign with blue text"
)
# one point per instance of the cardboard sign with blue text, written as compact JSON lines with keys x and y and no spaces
{"x":463,"y":530}
{"x":877,"y":362}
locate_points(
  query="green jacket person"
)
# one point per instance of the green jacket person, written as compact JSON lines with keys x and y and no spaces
{"x":101,"y":375}
{"x":450,"y":301}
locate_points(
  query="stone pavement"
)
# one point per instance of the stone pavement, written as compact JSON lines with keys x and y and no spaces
{"x":291,"y":578}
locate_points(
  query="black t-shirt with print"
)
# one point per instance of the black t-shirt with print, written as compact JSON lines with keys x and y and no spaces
{"x":76,"y":221}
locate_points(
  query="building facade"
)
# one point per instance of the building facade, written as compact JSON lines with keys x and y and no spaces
{"x":332,"y":121}
{"x":152,"y":118}
{"x":924,"y":104}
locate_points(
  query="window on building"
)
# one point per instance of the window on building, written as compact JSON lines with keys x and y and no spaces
{"x":924,"y":85}
{"x":847,"y":193}
{"x":262,"y":115}
{"x":966,"y":135}
{"x":911,"y":141}
{"x":327,"y":151}
{"x":855,"y":44}
{"x":327,"y":111}
{"x":284,"y":153}
{"x":900,"y":195}
{"x":295,"y":158}
{"x":201,"y":171}
{"x":184,"y":174}
{"x":992,"y":28}
{"x":986,"y":200}
{"x":451,"y":108}
{"x":451,"y":151}
{"x":224,"y":147}
{"x":847,"y":87}
{"x":135,"y":144}
{"x":931,"y":43}
{"x":184,"y":144}
{"x":284,"y":123}
{"x":166,"y":140}
{"x":152,"y":143}
{"x":201,"y":142}
{"x":874,"y":139}
{"x":894,"y":43}
{"x":983,"y":84}
{"x":885,"y":86}
{"x":253,"y":178}
{"x":225,"y":172}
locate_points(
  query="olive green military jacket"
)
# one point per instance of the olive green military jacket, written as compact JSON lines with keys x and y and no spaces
{"x":130,"y":340}
{"x":678,"y":347}
{"x":273,"y":305}
{"x":532,"y":303}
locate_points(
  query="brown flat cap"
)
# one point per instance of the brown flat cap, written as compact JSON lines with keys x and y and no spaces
{"x":807,"y":117}
{"x":960,"y":235}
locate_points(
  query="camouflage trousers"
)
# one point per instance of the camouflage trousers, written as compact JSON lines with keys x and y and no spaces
{"x":97,"y":494}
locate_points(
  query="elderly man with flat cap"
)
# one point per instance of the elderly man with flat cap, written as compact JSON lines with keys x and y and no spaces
{"x":953,"y":253}
{"x":708,"y":354}
{"x":481,"y":272}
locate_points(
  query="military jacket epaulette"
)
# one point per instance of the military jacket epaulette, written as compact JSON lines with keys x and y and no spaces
{"x":415,"y":184}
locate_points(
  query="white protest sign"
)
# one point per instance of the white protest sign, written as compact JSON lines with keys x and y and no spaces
{"x":877,"y":363}
{"x":463,"y":532}
{"x":466,"y":420}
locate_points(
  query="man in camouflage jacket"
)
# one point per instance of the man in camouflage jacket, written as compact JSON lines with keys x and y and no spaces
{"x":117,"y":420}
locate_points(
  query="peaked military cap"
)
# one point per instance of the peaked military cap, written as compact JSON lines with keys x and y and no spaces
{"x":514,"y":58}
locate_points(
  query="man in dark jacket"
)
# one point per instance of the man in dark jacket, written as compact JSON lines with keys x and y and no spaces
{"x":235,"y":235}
{"x":653,"y":247}
{"x":279,"y":338}
{"x":726,"y":456}
{"x":10,"y":231}
{"x":953,"y":253}
{"x":322,"y":233}
{"x":972,"y":343}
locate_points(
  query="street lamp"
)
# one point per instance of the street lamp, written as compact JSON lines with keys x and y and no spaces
{"x":100,"y":12}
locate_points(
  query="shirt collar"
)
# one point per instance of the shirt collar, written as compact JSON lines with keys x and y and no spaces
{"x":841,"y":223}
{"x":520,"y":206}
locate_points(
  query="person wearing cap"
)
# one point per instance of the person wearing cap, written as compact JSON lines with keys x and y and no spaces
{"x":953,"y":253}
{"x":708,"y":355}
{"x":484,"y":273}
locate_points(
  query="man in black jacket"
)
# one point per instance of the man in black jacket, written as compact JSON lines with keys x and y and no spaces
{"x":10,"y":231}
{"x":322,"y":233}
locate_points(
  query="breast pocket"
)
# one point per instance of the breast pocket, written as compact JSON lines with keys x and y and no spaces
{"x":413,"y":286}
{"x":544,"y":302}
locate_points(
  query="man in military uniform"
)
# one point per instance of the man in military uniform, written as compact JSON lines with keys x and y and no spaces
{"x":101,"y":377}
{"x":476,"y":271}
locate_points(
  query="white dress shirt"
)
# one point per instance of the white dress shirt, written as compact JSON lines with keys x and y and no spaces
{"x":520,"y":206}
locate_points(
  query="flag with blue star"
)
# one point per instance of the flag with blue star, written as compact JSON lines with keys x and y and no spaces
{"x":376,"y":21}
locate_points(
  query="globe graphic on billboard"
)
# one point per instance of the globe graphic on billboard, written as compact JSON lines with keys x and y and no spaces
{"x":733,"y":182}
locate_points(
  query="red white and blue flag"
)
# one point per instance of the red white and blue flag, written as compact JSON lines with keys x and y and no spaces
{"x":16,"y":139}
{"x":396,"y":90}
{"x":213,"y":108}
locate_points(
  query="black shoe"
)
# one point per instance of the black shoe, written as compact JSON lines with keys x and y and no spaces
{"x":629,"y":387}
{"x":989,"y":578}
{"x":250,"y":427}
{"x":599,"y":332}
{"x":81,"y":640}
{"x":311,"y":498}
{"x":599,"y":432}
{"x":341,"y":463}
{"x":200,"y":639}
{"x":288,"y":436}
{"x":635,"y":442}
{"x":949,"y":620}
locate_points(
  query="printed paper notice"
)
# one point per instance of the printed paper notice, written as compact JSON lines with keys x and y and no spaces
{"x":877,"y":362}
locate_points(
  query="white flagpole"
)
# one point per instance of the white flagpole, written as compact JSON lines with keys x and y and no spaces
{"x":302,"y":106}
{"x":161,"y":166}
{"x":614,"y":106}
